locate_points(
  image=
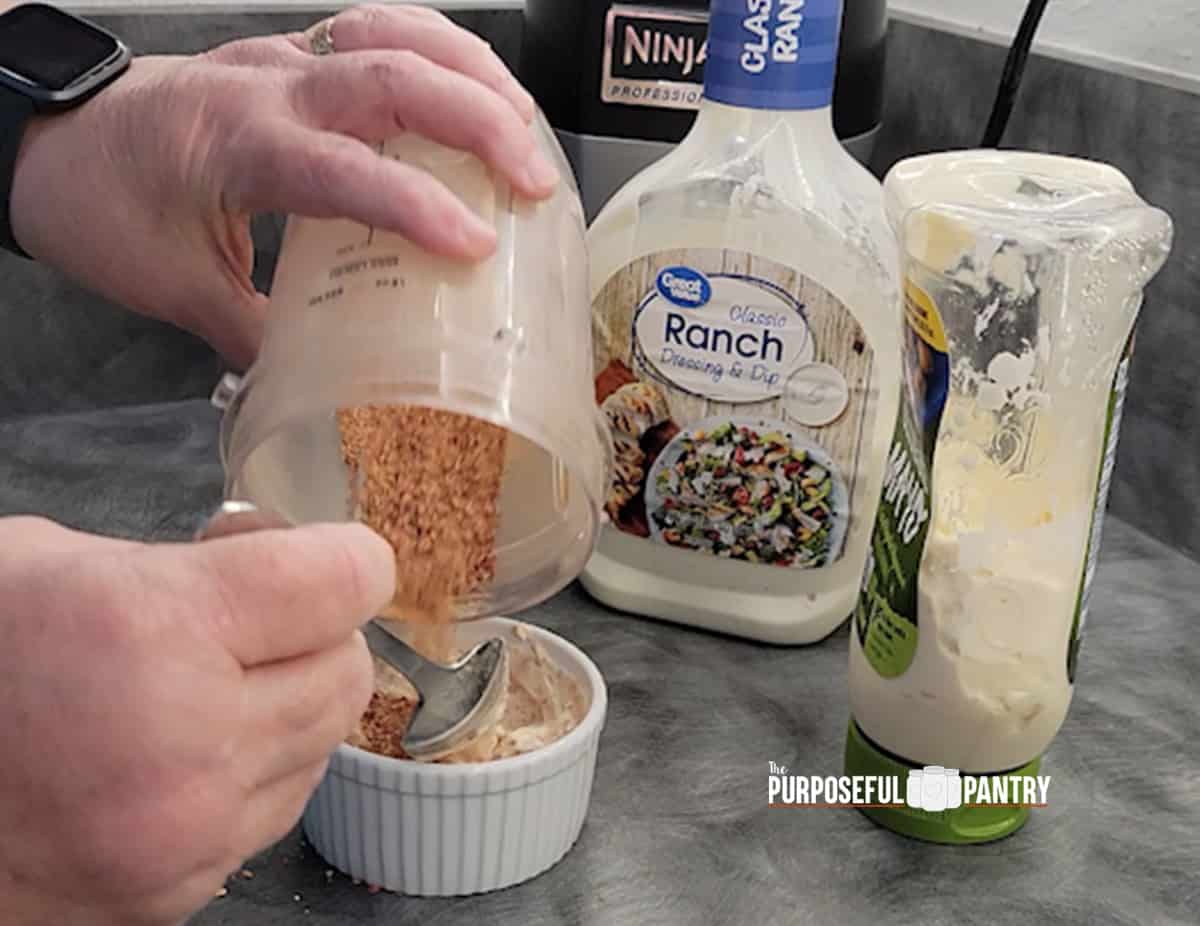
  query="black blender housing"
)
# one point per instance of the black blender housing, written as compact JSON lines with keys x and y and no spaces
{"x":562,"y":63}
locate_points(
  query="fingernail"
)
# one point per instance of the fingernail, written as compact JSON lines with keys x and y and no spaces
{"x":528,"y":106}
{"x":540,"y":174}
{"x":476,"y":235}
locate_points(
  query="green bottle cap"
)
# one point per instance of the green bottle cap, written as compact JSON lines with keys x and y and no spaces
{"x":957,"y":826}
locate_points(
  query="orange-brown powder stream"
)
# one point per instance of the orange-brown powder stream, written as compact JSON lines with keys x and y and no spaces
{"x":428,"y":481}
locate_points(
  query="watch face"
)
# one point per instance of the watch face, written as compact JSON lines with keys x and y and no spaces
{"x":47,"y":48}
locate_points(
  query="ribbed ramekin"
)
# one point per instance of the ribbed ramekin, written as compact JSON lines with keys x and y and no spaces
{"x":445,"y":830}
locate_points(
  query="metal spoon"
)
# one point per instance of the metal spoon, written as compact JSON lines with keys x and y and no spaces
{"x":456,"y":702}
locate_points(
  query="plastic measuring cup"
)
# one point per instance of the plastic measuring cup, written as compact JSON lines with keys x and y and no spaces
{"x":1023,"y":278}
{"x":360,"y":316}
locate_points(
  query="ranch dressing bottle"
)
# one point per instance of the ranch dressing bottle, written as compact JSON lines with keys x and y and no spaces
{"x":746,"y":355}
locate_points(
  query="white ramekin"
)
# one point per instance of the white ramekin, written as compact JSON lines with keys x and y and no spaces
{"x":446,"y":830}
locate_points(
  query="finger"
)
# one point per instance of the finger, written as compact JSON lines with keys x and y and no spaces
{"x":300,"y":709}
{"x":235,"y":312}
{"x":234,"y":329}
{"x":273,"y":811}
{"x":277,"y":594}
{"x":31,"y":535}
{"x":431,"y":35}
{"x":375,"y":94}
{"x":325,"y":175}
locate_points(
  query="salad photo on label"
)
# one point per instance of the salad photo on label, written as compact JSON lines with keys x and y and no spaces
{"x":747,"y":490}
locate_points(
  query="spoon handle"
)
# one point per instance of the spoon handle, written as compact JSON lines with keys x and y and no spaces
{"x":396,"y":653}
{"x":239,"y":518}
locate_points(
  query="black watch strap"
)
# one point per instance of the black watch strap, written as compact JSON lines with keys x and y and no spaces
{"x":15,"y":112}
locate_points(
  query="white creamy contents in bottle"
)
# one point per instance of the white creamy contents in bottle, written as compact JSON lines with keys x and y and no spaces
{"x":998,"y":583}
{"x":1023,"y":276}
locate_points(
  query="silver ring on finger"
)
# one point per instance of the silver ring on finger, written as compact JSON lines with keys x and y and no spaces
{"x":320,"y":38}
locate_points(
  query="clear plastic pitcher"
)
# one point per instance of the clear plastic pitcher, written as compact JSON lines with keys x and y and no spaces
{"x":359,"y":316}
{"x":1023,"y":277}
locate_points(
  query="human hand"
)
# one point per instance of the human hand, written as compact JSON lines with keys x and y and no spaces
{"x":144,"y":194}
{"x":168,"y":709}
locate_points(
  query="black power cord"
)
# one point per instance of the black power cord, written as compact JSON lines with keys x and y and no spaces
{"x":1014,"y":70}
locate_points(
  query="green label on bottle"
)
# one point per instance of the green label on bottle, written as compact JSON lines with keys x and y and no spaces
{"x":885,"y":618}
{"x":1108,"y":459}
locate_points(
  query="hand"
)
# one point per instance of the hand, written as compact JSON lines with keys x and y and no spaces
{"x":167,"y":710}
{"x":144,"y":194}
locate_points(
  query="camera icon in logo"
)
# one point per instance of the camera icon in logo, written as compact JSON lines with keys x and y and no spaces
{"x":933,"y":788}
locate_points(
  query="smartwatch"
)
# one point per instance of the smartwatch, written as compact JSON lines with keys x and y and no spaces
{"x":50,"y":61}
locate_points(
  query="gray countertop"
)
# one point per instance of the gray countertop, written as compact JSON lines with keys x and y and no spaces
{"x":679,"y":831}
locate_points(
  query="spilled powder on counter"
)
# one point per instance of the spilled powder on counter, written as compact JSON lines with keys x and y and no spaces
{"x":428,"y":482}
{"x":542,"y":704}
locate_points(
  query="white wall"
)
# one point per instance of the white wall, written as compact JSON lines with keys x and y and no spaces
{"x":1157,"y":40}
